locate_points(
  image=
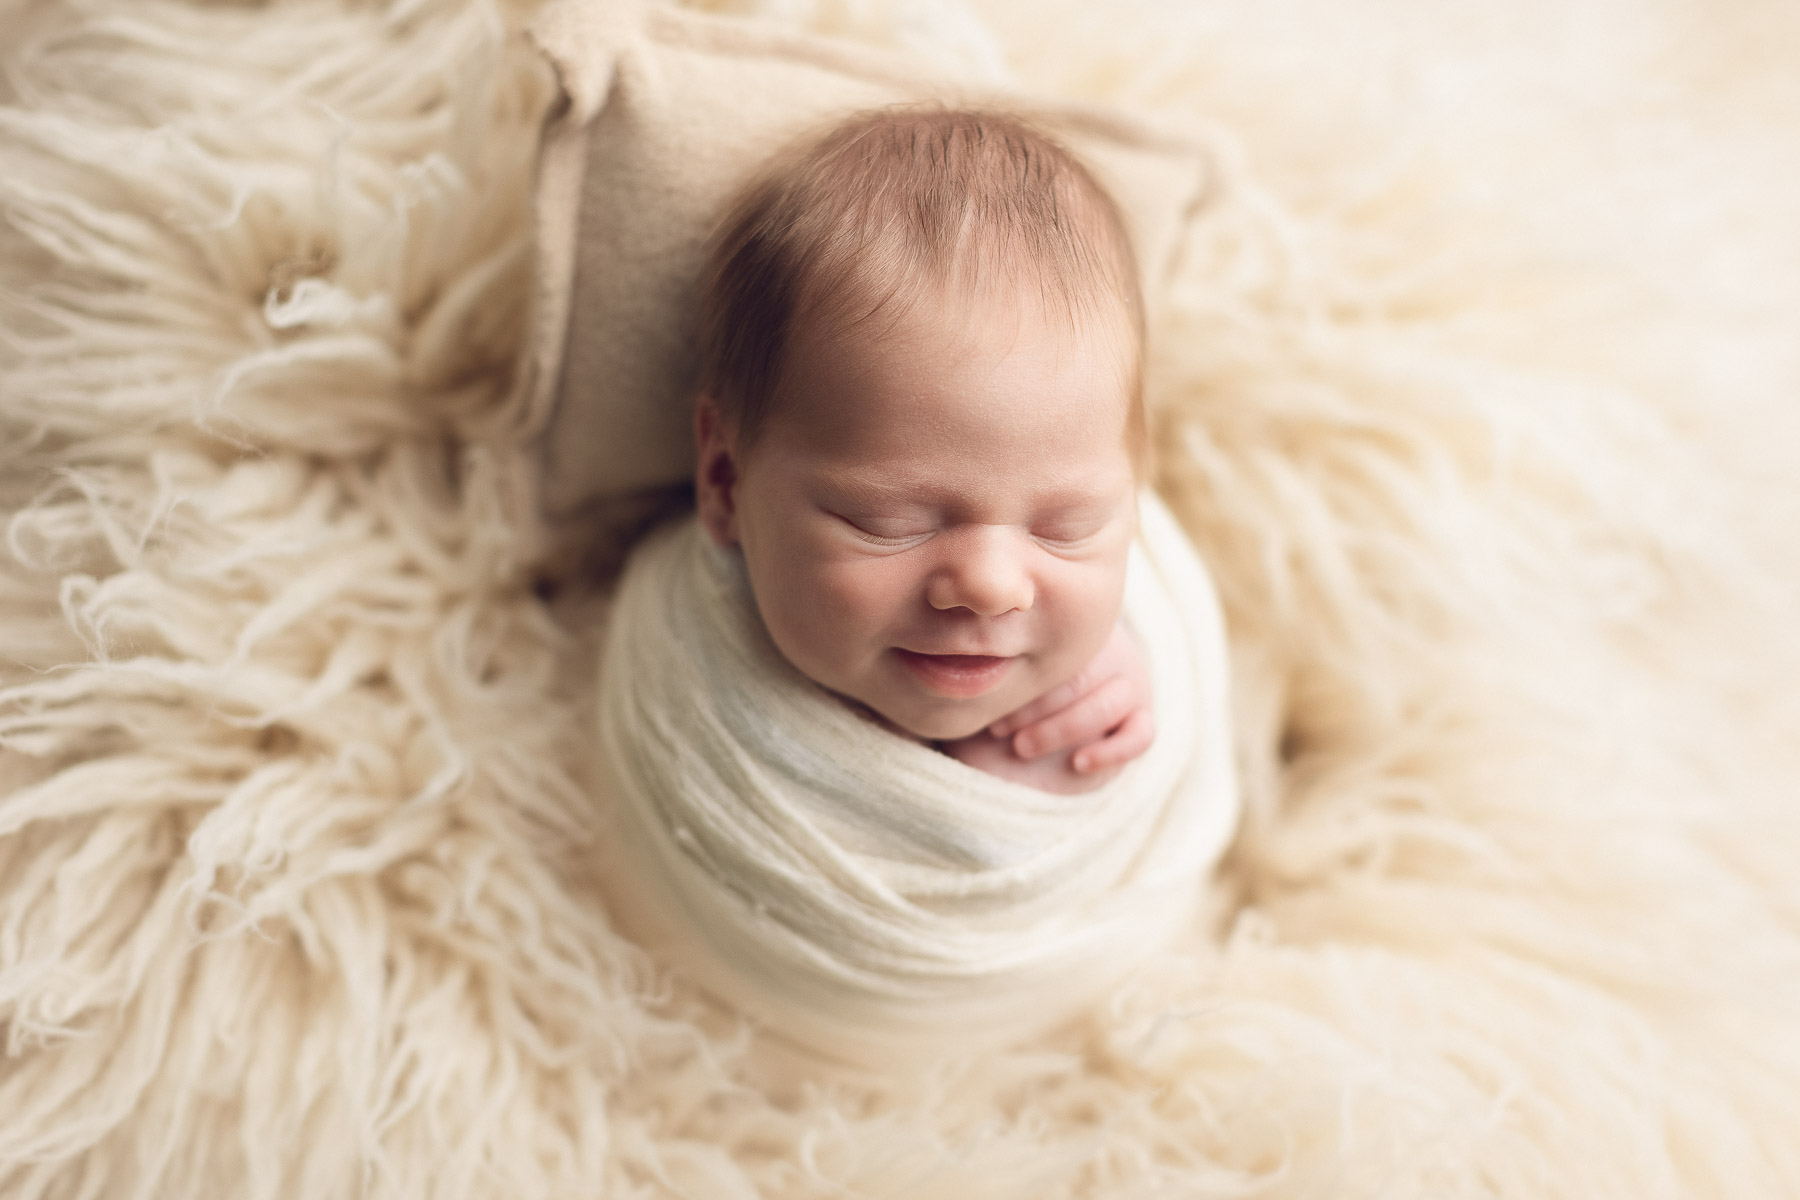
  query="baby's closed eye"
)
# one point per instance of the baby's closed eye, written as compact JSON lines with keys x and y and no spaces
{"x":1072,"y":529}
{"x":886,"y":531}
{"x":1067,"y":532}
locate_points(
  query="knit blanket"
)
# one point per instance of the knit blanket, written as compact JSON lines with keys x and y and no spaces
{"x":859,"y":892}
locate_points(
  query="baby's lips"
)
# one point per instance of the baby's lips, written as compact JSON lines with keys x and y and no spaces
{"x":956,"y":676}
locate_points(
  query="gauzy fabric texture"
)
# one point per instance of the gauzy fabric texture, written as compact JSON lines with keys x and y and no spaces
{"x":862,"y":894}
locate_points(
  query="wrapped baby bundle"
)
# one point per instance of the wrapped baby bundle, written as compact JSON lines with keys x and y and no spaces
{"x":859,"y":893}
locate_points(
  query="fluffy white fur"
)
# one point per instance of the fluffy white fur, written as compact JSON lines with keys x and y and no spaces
{"x":1474,"y":391}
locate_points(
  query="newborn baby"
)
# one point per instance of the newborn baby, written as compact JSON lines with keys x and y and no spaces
{"x":920,"y":419}
{"x":920,"y":448}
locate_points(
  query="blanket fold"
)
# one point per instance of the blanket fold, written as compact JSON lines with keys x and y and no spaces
{"x":859,"y":893}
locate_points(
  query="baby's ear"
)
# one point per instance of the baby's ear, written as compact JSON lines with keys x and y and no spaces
{"x":715,"y":472}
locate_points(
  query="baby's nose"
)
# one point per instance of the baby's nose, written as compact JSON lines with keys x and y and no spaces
{"x":983,"y":570}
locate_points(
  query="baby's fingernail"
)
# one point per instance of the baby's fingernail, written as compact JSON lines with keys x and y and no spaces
{"x":1081,"y":762}
{"x":1025,"y":746}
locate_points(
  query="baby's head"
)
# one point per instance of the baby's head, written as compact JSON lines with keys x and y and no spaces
{"x":920,"y":413}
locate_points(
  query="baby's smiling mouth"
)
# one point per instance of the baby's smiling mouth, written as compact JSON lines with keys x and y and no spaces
{"x":958,"y":676}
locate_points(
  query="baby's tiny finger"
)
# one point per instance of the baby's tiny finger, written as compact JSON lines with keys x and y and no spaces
{"x":1130,"y":739}
{"x":1052,"y":701}
{"x":1085,"y":721}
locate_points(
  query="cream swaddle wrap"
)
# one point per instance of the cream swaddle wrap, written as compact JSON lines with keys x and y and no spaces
{"x":859,"y":892}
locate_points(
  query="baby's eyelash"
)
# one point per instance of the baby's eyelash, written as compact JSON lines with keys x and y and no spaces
{"x":1065,"y":537}
{"x":876,"y":538}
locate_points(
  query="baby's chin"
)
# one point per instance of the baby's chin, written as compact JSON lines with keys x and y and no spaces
{"x":947,"y":728}
{"x":946,"y":723}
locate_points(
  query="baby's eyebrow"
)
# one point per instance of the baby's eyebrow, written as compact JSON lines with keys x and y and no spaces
{"x":1075,"y":498}
{"x":860,"y":488}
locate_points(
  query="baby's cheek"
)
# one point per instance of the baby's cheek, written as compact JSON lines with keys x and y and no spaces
{"x":863,"y":595}
{"x":824,"y":613}
{"x":1093,"y":597}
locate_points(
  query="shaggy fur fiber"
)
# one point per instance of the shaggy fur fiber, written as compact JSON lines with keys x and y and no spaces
{"x":1473,"y":390}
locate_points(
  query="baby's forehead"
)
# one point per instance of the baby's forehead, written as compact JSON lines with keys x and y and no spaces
{"x":957,"y":372}
{"x":964,"y":316}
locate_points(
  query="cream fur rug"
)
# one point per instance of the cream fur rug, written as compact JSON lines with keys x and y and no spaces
{"x":1478,"y":394}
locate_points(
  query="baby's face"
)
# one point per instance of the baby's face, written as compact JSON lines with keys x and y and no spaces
{"x":936,"y":521}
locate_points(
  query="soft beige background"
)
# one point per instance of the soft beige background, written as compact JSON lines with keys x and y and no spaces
{"x":1477,"y":394}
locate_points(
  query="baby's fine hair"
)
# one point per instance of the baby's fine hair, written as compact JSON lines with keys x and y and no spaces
{"x":895,"y":205}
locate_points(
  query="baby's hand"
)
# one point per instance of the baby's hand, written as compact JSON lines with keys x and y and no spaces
{"x":1103,"y":713}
